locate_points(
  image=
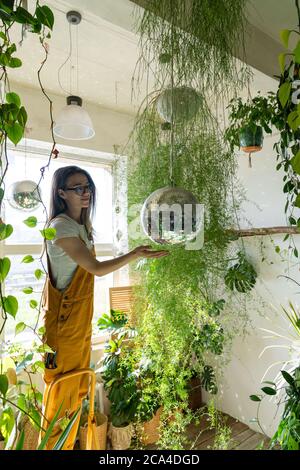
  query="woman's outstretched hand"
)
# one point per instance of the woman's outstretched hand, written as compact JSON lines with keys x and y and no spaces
{"x":145,"y":251}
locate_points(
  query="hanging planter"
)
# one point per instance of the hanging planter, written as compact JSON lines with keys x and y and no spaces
{"x":251,"y":139}
{"x":24,"y":195}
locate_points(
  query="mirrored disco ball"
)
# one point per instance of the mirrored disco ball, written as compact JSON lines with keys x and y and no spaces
{"x":24,"y":195}
{"x":184,"y":101}
{"x":172,"y":216}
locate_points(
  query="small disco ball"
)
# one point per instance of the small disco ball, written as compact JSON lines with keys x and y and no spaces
{"x":171,"y":216}
{"x":184,"y":101}
{"x":24,"y":195}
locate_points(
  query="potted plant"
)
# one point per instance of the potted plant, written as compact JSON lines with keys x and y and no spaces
{"x":121,"y":384}
{"x":101,"y":426}
{"x":286,"y":386}
{"x":248,"y":120}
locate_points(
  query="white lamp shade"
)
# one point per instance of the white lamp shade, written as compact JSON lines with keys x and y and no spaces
{"x":74,"y":123}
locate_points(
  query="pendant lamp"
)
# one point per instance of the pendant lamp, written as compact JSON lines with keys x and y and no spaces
{"x":73,"y":122}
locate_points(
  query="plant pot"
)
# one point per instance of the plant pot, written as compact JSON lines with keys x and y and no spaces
{"x":150,"y":433}
{"x":251,"y":140}
{"x":101,"y":432}
{"x":120,"y":437}
{"x":31,"y":434}
{"x":195,"y":393}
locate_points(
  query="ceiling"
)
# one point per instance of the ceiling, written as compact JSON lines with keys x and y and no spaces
{"x":108,"y":49}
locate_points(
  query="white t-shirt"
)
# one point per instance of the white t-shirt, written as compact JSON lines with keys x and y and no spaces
{"x":62,"y":266}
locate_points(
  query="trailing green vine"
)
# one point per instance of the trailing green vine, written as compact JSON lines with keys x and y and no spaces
{"x":180,"y":310}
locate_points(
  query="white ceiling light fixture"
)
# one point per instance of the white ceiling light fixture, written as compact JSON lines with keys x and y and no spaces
{"x":73,"y":122}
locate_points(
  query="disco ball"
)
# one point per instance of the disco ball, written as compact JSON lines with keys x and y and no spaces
{"x":171,"y":216}
{"x":184,"y":101}
{"x":24,"y":195}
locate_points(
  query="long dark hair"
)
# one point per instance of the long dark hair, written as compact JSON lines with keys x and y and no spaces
{"x":58,"y":204}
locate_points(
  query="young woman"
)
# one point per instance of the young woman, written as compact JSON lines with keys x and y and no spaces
{"x":68,"y":293}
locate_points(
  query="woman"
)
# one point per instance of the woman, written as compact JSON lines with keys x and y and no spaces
{"x":69,"y":288}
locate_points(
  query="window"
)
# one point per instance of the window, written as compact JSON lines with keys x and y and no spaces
{"x":25,"y":163}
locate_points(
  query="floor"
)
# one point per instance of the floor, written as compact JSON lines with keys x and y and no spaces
{"x":242,"y":437}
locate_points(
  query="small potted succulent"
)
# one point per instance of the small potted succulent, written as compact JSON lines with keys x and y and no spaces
{"x":248,"y":120}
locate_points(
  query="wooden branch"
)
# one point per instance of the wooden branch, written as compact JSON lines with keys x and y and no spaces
{"x":252,"y":232}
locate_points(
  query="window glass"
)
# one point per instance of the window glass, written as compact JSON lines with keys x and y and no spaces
{"x":23,"y":167}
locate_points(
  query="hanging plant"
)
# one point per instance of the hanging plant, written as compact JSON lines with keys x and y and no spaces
{"x":248,"y":120}
{"x":241,"y":276}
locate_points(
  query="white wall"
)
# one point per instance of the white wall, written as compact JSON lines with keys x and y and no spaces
{"x":264,"y":208}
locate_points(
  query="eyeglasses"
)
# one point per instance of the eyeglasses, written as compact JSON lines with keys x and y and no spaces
{"x":80,"y":190}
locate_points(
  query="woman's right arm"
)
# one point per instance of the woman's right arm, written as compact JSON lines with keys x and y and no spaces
{"x":78,"y":251}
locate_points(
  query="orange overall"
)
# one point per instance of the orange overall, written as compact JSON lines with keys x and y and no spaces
{"x":68,"y":318}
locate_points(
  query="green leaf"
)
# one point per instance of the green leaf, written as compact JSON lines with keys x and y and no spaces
{"x":296,"y":51}
{"x":62,"y":439}
{"x":295,"y":162}
{"x":255,"y":398}
{"x":2,"y":36}
{"x":41,"y":330}
{"x":27,"y":290}
{"x":7,"y":423}
{"x":27,"y":360}
{"x":269,"y":391}
{"x":284,"y":93}
{"x":19,"y":328}
{"x":30,"y":222}
{"x":44,"y":348}
{"x":284,"y":36}
{"x":287,"y":377}
{"x":281,"y":61}
{"x":27,"y":259}
{"x":33,"y":303}
{"x":5,"y":231}
{"x":22,"y":116}
{"x":14,"y":132}
{"x":48,"y":233}
{"x":20,"y":443}
{"x":297,"y":202}
{"x":23,"y":16}
{"x":11,"y":305}
{"x":293,"y":120}
{"x":15,"y":63}
{"x":49,"y":430}
{"x":4,"y":268}
{"x":277,"y":249}
{"x":45,"y":16}
{"x":38,"y":274}
{"x":13,"y":98}
{"x":1,"y":194}
{"x":3,"y":384}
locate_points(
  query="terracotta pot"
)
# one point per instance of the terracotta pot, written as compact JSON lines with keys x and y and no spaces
{"x":150,"y":433}
{"x":120,"y":437}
